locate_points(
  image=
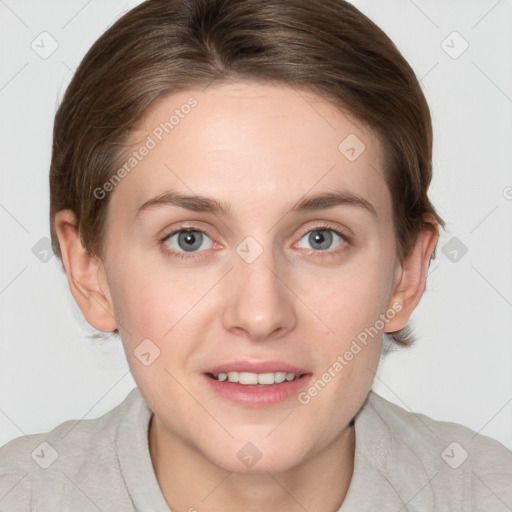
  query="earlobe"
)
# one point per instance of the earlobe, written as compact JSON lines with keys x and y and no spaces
{"x":410,"y":279}
{"x":84,"y":272}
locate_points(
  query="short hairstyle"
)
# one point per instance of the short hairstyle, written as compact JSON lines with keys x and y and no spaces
{"x":163,"y":46}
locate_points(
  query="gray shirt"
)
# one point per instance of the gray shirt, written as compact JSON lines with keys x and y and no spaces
{"x":403,"y":462}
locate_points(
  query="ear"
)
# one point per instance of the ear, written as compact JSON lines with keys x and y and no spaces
{"x":410,"y":278}
{"x":85,"y":273}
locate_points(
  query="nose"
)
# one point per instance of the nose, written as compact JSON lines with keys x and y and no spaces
{"x":259,"y":305}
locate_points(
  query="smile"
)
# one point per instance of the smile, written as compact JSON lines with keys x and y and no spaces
{"x":252,"y":379}
{"x":257,"y":384}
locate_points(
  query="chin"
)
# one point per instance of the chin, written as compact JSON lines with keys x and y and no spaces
{"x":256,"y":456}
{"x":260,"y":467}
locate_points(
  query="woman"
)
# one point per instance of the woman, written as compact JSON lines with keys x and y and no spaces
{"x":239,"y":189}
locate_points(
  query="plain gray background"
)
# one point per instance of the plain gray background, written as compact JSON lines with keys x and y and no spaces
{"x":461,"y":366}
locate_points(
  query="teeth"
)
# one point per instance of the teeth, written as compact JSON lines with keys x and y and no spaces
{"x":280,"y":377}
{"x":266,"y":378}
{"x":251,"y":379}
{"x":247,"y":378}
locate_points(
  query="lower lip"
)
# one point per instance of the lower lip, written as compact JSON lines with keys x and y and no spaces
{"x":258,"y":396}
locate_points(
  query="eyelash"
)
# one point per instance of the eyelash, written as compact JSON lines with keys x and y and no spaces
{"x":347,"y":242}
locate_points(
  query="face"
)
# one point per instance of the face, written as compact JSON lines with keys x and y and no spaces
{"x":231,"y":253}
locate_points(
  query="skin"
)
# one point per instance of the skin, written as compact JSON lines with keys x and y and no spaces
{"x":260,"y":149}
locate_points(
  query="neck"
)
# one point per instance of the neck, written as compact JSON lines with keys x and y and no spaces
{"x":191,"y":482}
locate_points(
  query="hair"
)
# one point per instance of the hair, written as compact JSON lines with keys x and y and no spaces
{"x":163,"y":46}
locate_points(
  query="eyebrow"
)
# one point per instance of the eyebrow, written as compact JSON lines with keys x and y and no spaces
{"x":196,"y":203}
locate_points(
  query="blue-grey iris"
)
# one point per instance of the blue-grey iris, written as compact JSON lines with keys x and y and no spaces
{"x":190,"y":240}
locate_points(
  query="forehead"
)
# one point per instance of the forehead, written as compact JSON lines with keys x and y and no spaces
{"x":254,"y":144}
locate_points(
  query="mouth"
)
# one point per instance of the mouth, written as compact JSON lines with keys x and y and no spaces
{"x":256,"y":379}
{"x":257,"y":384}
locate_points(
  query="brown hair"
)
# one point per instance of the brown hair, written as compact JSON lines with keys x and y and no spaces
{"x":162,"y":46}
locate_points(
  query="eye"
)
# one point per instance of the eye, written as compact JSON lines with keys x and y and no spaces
{"x":322,"y":239}
{"x":188,"y":241}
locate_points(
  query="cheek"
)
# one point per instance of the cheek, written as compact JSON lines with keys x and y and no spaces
{"x":154,"y":302}
{"x":143,"y":302}
{"x":137,"y":305}
{"x":150,"y":312}
{"x":351,"y":298}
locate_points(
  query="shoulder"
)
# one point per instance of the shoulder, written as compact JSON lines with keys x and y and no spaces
{"x":463,"y":466}
{"x":80,"y":438}
{"x":45,"y":464}
{"x":424,"y":434}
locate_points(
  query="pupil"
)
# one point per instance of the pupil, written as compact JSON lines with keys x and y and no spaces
{"x":190,"y":240}
{"x":322,"y":238}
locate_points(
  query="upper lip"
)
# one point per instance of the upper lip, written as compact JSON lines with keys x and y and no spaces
{"x":256,"y":367}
